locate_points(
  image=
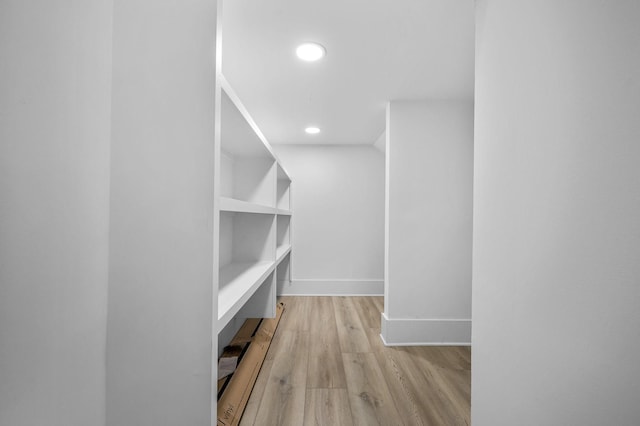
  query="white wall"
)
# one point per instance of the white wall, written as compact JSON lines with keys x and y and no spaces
{"x":556,"y":290}
{"x":55,"y":91}
{"x":338,"y":220}
{"x":160,"y":345}
{"x":381,"y":143}
{"x":429,"y":213}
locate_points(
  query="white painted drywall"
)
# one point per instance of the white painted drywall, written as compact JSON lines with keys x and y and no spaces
{"x":429,"y":214}
{"x":338,"y":217}
{"x":55,"y":118}
{"x":556,"y":279}
{"x":159,"y":343}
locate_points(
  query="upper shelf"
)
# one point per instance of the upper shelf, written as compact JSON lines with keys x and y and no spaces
{"x":239,"y":134}
{"x":233,"y":205}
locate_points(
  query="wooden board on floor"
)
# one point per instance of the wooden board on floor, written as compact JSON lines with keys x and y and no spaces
{"x":234,"y":399}
{"x":251,"y":410}
{"x":239,"y":345}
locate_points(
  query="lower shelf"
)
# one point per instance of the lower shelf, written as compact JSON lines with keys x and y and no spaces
{"x":238,"y":282}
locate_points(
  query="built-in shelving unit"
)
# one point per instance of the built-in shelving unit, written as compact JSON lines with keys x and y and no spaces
{"x":254,"y":210}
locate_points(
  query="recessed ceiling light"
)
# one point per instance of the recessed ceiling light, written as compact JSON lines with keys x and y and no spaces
{"x":312,"y":130}
{"x":310,"y":52}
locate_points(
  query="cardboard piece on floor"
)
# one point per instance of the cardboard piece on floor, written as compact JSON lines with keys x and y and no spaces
{"x":234,"y":399}
{"x":246,"y":332}
{"x":232,"y":354}
{"x":229,"y":361}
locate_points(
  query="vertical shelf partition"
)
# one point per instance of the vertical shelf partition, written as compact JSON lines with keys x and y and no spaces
{"x":255,"y":214}
{"x":283,"y":190}
{"x":283,"y":229}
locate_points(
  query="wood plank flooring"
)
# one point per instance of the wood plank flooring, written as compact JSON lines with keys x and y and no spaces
{"x":327,"y":366}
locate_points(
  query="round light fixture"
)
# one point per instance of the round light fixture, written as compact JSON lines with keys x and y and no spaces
{"x":312,"y":130}
{"x":310,"y":52}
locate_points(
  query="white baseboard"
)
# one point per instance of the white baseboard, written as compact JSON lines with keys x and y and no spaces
{"x":348,"y":287}
{"x":425,"y":332}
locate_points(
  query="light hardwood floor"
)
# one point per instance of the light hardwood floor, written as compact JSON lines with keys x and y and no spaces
{"x":327,"y":366}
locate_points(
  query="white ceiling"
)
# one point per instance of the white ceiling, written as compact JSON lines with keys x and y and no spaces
{"x":377,"y":50}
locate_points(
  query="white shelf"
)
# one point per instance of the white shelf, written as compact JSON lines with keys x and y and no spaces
{"x":240,"y":135}
{"x":232,"y":205}
{"x":282,"y":212}
{"x":238,"y":282}
{"x":281,"y":252}
{"x":282,"y":174}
